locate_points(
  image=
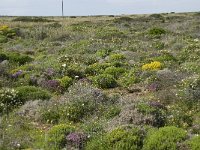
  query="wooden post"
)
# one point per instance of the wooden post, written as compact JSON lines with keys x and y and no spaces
{"x":62,"y":8}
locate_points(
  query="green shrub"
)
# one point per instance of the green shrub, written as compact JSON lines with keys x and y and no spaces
{"x":75,"y":70}
{"x":191,"y":88}
{"x":19,"y":58}
{"x":156,"y":110}
{"x":112,"y":112}
{"x":180,"y":116}
{"x":156,"y":31}
{"x":77,"y":110}
{"x":109,"y":33}
{"x":3,"y":39}
{"x":103,"y":53}
{"x":114,"y":71}
{"x":96,"y":68}
{"x":166,"y":56}
{"x":3,"y":57}
{"x":26,"y":93}
{"x":194,"y":143}
{"x":66,"y":82}
{"x":165,"y":138}
{"x":8,"y":99}
{"x":128,"y":79}
{"x":117,"y":57}
{"x":50,"y":116}
{"x":15,"y":57}
{"x":119,"y":139}
{"x":57,"y":136}
{"x":105,"y":81}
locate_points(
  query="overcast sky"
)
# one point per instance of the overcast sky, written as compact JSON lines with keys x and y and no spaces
{"x":94,"y":7}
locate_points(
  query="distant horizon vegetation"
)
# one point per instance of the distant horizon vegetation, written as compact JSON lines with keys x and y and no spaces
{"x":96,"y":15}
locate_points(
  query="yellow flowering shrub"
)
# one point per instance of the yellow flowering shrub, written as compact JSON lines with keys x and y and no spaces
{"x":6,"y":31}
{"x":155,"y":65}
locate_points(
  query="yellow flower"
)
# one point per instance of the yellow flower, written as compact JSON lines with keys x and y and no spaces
{"x":156,"y":65}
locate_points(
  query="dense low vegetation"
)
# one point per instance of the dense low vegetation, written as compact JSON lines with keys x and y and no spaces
{"x":100,"y":83}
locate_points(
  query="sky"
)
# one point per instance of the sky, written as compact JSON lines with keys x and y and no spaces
{"x":95,"y":7}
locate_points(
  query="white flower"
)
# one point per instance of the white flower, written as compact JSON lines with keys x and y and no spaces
{"x":76,"y":76}
{"x":64,"y":65}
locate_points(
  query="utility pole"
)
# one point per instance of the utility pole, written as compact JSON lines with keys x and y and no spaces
{"x":62,"y":8}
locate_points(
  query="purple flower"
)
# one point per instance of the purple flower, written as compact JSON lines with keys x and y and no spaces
{"x":17,"y":74}
{"x":76,"y":138}
{"x":50,"y":72}
{"x":53,"y":85}
{"x":153,"y":87}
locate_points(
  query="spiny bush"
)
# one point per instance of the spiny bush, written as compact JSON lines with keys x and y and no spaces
{"x":155,"y":65}
{"x":57,"y":136}
{"x":105,"y":81}
{"x":26,"y":93}
{"x":164,"y":138}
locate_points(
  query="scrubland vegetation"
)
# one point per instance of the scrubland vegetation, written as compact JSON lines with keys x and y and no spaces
{"x":100,"y":82}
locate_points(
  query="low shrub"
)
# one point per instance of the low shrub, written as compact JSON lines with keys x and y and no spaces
{"x":15,"y":57}
{"x":74,"y":71}
{"x":3,"y":57}
{"x":7,"y":32}
{"x":57,"y":136}
{"x":117,"y":57}
{"x":194,"y":143}
{"x":180,"y":116}
{"x":156,"y":31}
{"x":128,"y":79}
{"x":120,"y":139}
{"x":66,"y":82}
{"x":77,"y":110}
{"x":105,"y":81}
{"x":31,"y":19}
{"x":156,"y":110}
{"x":50,"y":116}
{"x":114,"y":71}
{"x":3,"y":39}
{"x":155,"y":65}
{"x":164,"y":138}
{"x":26,"y":93}
{"x":112,"y":111}
{"x":8,"y":99}
{"x":96,"y":68}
